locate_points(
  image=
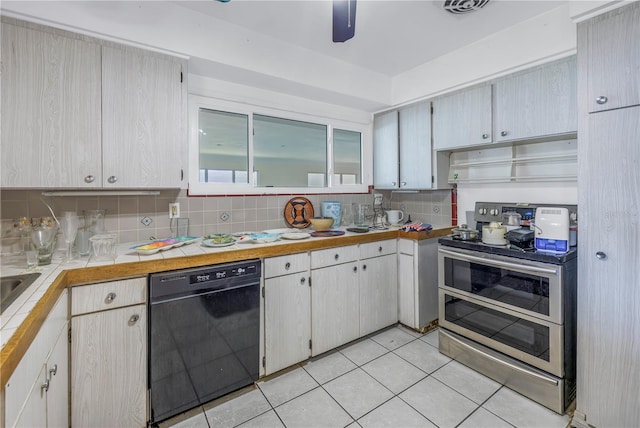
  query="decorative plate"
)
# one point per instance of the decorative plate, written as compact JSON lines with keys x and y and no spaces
{"x":358,"y":229}
{"x":219,"y":238}
{"x":324,"y":233}
{"x":295,"y":235}
{"x":211,"y":243}
{"x":297,"y":212}
{"x":163,"y":244}
{"x":263,"y":238}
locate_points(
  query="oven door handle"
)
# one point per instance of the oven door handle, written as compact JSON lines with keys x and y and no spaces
{"x":503,"y":362}
{"x":499,"y":263}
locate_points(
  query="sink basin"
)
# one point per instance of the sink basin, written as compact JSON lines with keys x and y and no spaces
{"x":13,"y":286}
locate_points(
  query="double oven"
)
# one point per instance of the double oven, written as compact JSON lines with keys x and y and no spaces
{"x":510,"y":314}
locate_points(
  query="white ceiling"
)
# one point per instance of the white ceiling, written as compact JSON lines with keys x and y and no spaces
{"x":392,"y":36}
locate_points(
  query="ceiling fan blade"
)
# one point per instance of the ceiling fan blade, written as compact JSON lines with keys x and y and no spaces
{"x":344,"y":20}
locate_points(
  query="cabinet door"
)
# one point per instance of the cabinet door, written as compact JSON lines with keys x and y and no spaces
{"x":609,"y":296}
{"x":50,"y":110}
{"x":58,"y":393}
{"x":109,"y":373}
{"x":378,"y":293}
{"x":536,"y":103}
{"x":143,"y":133}
{"x":34,"y":413}
{"x":385,"y":151}
{"x":287,"y":323}
{"x":334,"y":306}
{"x":415,"y":146}
{"x":406,"y":291}
{"x":462,"y":119}
{"x":613,"y":52}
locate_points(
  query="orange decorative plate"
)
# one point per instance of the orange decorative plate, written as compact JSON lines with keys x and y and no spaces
{"x":297,"y":212}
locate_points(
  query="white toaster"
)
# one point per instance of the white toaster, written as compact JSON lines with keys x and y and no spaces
{"x":552,"y":229}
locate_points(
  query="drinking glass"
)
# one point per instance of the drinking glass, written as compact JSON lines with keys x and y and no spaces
{"x":69,"y":225}
{"x":32,"y":259}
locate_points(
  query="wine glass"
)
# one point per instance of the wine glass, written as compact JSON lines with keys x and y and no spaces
{"x":69,"y":226}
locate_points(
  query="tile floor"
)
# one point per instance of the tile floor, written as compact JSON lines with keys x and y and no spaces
{"x":395,"y":378}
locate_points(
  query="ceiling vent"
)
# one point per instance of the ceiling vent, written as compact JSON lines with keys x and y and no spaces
{"x":464,"y":6}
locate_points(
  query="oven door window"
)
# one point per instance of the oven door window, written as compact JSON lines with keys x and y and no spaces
{"x":514,"y":332}
{"x":521,"y":290}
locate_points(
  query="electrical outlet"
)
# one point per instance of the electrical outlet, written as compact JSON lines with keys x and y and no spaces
{"x":174,"y":210}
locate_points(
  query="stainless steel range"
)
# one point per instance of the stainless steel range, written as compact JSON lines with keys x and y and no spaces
{"x":509,"y":311}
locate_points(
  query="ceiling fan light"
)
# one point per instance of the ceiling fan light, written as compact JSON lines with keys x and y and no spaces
{"x":464,"y":6}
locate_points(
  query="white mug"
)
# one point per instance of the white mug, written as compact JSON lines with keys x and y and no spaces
{"x":395,"y":216}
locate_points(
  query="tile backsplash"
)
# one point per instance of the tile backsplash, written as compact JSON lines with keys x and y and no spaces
{"x":128,"y":216}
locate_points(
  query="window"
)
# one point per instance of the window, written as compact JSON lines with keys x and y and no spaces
{"x":286,"y":152}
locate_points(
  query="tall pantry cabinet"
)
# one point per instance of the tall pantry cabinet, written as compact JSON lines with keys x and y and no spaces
{"x":608,"y":349}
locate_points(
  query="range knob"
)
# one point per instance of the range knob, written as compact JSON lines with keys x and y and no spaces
{"x":482,"y":211}
{"x":494,"y":212}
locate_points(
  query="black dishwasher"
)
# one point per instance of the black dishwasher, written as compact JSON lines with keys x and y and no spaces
{"x":204,"y":335}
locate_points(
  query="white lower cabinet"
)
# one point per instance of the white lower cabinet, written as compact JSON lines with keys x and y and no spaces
{"x":378,"y":286}
{"x":109,"y":354}
{"x":417,"y":282}
{"x":287,"y":311}
{"x":37,"y":393}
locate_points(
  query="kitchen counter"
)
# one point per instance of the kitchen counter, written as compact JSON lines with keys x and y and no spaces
{"x":22,"y":320}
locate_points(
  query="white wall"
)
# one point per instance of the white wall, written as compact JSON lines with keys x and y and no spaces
{"x":541,"y":39}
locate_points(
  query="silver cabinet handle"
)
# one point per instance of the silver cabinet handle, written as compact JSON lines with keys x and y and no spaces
{"x":89,"y":179}
{"x":112,"y":179}
{"x":602,"y":99}
{"x":600,"y":255}
{"x":45,"y":385}
{"x":485,"y":136}
{"x":287,"y":266}
{"x":393,"y":183}
{"x":110,"y":298}
{"x":53,"y":370}
{"x":303,"y":280}
{"x":133,"y":319}
{"x":403,"y":183}
{"x":503,"y":133}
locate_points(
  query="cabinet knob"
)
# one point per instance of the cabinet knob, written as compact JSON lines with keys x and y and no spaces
{"x":53,"y":370}
{"x":112,"y":179}
{"x":45,"y":385}
{"x":600,"y":255}
{"x":602,"y":99}
{"x":503,"y":133}
{"x":380,"y":249}
{"x":89,"y":179}
{"x":485,"y":136}
{"x":303,"y":280}
{"x":133,"y":319}
{"x":355,"y":268}
{"x":287,"y":266}
{"x":110,"y":298}
{"x":364,"y":267}
{"x":403,"y":183}
{"x":337,"y":256}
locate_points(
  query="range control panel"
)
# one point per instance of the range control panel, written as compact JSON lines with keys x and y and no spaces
{"x":486,"y":212}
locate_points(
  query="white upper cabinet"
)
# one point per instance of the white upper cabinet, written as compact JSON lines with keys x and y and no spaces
{"x":402,"y":148}
{"x":385,"y":151}
{"x":462,"y":119}
{"x":50,"y":109}
{"x":79,"y":112}
{"x":613,"y":47}
{"x":536,"y":103}
{"x":143,"y":130}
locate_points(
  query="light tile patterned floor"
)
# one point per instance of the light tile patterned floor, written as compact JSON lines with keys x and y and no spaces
{"x":396,"y":378}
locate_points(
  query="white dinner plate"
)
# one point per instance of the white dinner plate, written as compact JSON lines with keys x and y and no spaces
{"x":295,"y":235}
{"x":210,"y":243}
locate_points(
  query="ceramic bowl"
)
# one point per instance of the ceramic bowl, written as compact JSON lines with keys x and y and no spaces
{"x":321,"y":223}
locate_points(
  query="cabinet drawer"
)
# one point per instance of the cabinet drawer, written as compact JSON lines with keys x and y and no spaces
{"x":380,"y":248}
{"x":333,"y":256}
{"x":284,"y":265}
{"x":405,"y":246}
{"x":108,"y":295}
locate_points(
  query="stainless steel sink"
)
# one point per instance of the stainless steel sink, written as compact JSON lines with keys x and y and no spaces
{"x":13,"y":286}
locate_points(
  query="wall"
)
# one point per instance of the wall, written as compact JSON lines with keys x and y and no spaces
{"x":246,"y":213}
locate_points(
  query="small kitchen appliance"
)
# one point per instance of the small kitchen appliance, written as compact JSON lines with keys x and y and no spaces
{"x":552,"y":229}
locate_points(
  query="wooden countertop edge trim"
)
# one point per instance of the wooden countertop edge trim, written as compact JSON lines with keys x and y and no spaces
{"x":17,"y":346}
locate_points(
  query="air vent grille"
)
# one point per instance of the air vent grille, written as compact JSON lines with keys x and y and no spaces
{"x":464,"y":6}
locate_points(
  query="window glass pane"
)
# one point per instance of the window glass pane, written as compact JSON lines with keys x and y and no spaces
{"x":223,"y":146}
{"x":286,"y":151}
{"x":347,"y":146}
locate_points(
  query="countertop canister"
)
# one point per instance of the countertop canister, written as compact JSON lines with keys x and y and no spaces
{"x":332,"y":209}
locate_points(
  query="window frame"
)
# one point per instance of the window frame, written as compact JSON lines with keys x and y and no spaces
{"x":195,"y":187}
